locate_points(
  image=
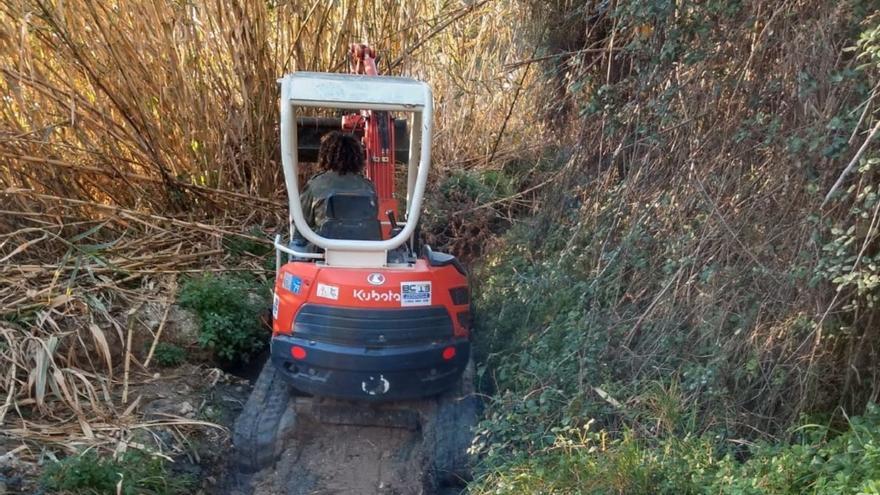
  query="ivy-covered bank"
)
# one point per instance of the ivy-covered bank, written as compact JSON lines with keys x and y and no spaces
{"x":569,"y":413}
{"x":690,"y":307}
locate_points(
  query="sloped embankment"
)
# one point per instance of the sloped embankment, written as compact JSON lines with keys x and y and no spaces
{"x":695,"y":285}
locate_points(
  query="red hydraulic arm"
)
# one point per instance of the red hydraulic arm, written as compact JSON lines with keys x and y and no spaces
{"x":378,"y":131}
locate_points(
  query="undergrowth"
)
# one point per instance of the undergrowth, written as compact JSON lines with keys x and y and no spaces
{"x":468,"y":209}
{"x":693,"y":285}
{"x":239,"y":246}
{"x":229,"y":309}
{"x":134,"y":473}
{"x":586,"y":460}
{"x":169,"y":355}
{"x":595,"y":394}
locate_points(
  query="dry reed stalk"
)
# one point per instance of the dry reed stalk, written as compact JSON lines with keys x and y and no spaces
{"x":132,"y":214}
{"x":158,"y":335}
{"x":52,"y":368}
{"x":127,"y":359}
{"x":852,"y":163}
{"x":203,"y":118}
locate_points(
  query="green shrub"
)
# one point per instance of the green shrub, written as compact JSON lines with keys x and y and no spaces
{"x":584,"y":461}
{"x":169,"y":355}
{"x":229,"y":315}
{"x":135,"y":472}
{"x":551,"y":328}
{"x":665,"y":296}
{"x":477,"y":186}
{"x":822,"y":462}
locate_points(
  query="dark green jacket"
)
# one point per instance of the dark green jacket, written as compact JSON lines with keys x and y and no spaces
{"x":322,"y":186}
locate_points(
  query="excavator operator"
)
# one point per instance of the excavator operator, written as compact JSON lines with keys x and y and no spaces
{"x":341,"y":158}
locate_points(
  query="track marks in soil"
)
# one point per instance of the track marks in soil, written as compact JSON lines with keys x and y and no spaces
{"x":346,"y":460}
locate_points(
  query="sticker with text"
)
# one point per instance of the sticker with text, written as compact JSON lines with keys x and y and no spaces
{"x":291,"y":283}
{"x":415,"y":293}
{"x":328,"y":291}
{"x":275,"y":302}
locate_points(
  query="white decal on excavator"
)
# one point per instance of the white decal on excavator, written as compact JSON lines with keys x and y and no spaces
{"x":328,"y":291}
{"x":415,"y":293}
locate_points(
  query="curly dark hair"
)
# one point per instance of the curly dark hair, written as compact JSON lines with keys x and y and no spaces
{"x":341,"y":153}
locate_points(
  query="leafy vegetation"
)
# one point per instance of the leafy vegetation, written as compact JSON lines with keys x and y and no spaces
{"x":134,"y":473}
{"x":469,"y":209}
{"x":228,"y":308}
{"x":169,"y":355}
{"x":583,"y":460}
{"x":685,"y":295}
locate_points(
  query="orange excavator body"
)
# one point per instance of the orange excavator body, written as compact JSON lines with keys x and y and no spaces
{"x":397,"y":330}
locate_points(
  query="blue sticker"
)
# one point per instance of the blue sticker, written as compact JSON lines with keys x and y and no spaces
{"x":291,"y":283}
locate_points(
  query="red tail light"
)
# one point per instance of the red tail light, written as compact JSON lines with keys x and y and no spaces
{"x":448,"y":353}
{"x":298,"y":352}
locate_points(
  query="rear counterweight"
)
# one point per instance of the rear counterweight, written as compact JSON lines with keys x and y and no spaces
{"x":371,"y":373}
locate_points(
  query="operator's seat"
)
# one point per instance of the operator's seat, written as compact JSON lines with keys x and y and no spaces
{"x":352,"y":216}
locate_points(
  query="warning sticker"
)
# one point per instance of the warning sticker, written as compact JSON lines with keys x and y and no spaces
{"x":415,"y":293}
{"x":275,"y":302}
{"x":328,"y":291}
{"x":291,"y":283}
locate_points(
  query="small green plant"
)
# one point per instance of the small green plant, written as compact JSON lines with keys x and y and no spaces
{"x":169,"y":355}
{"x":229,"y":314}
{"x":134,"y":473}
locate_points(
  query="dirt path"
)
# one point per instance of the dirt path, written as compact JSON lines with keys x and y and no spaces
{"x":346,"y":460}
{"x":344,"y":448}
{"x":322,"y":446}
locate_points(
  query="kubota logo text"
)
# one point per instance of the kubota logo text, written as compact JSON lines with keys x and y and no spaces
{"x":376,"y":295}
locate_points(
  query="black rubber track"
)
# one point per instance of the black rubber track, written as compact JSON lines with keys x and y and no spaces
{"x":258,"y":431}
{"x":451,"y":438}
{"x":450,"y":432}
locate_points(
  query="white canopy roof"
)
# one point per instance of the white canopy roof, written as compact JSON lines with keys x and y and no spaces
{"x":354,"y":91}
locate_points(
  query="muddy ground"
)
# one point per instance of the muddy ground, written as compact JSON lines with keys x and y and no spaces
{"x":347,"y":448}
{"x":340,"y":459}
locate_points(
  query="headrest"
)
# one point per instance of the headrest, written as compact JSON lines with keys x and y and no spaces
{"x":352,"y":206}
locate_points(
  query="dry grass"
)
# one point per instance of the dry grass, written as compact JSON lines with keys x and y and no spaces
{"x":174,"y":100}
{"x":77,"y":310}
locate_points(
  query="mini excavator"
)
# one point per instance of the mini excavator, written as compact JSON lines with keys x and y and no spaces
{"x":370,"y":325}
